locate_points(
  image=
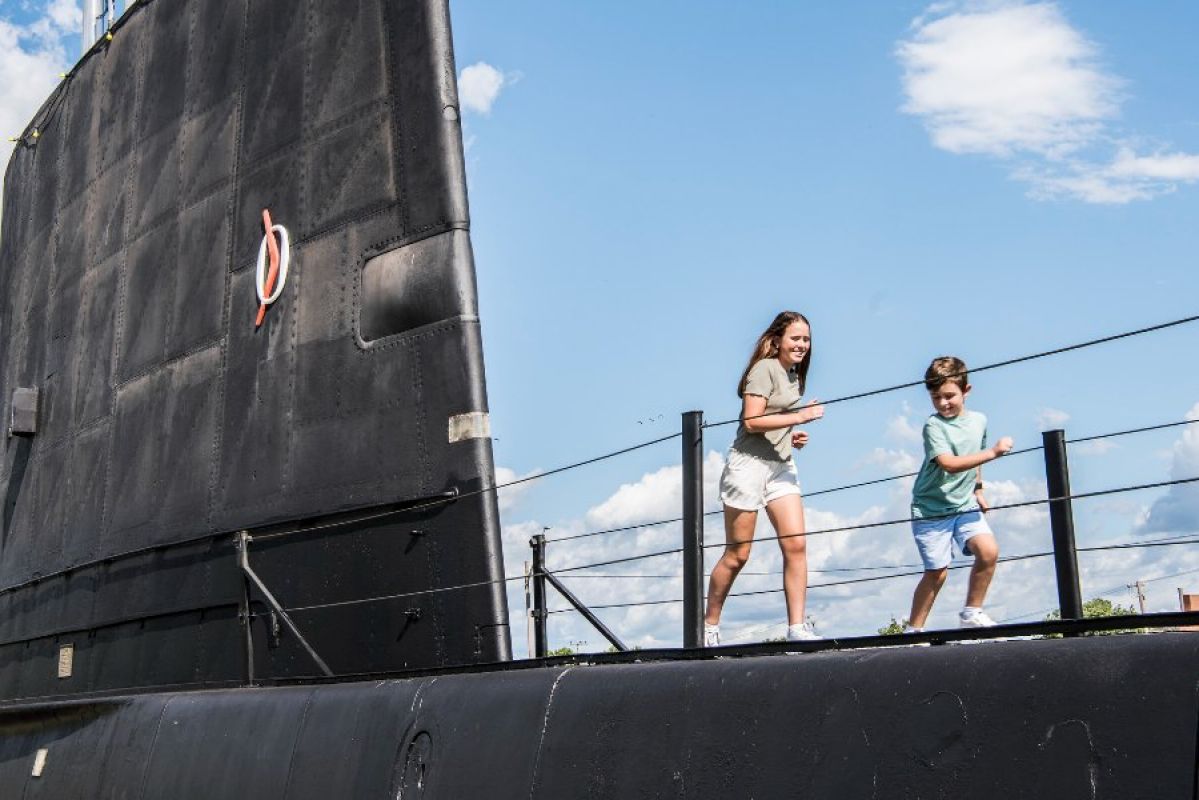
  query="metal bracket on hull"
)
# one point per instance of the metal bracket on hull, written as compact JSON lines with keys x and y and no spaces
{"x":243,"y":561}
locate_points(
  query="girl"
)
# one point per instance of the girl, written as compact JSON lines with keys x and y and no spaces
{"x":760,"y":472}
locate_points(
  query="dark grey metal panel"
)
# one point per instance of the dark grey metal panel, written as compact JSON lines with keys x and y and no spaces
{"x":131,"y":226}
{"x":1081,"y":718}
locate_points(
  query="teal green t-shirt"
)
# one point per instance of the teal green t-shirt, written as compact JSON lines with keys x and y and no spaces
{"x":937,"y":492}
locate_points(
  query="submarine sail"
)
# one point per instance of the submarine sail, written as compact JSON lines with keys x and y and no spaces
{"x":158,"y":434}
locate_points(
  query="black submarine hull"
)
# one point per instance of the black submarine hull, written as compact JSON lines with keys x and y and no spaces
{"x":1108,"y":716}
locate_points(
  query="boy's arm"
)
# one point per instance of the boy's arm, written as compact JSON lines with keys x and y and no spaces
{"x":978,"y":492}
{"x":955,"y":464}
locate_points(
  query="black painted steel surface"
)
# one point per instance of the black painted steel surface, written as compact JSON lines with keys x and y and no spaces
{"x":167,"y":422}
{"x":1077,"y":718}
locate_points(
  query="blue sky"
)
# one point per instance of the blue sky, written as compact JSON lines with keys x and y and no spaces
{"x":650,"y":183}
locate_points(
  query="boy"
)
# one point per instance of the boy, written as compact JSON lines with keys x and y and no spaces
{"x":947,"y":498}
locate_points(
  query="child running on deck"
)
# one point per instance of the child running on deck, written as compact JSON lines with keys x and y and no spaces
{"x":947,"y":498}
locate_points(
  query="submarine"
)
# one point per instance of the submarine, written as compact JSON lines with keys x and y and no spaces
{"x":250,"y":546}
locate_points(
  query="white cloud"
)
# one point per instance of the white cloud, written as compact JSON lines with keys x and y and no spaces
{"x":31,"y":59}
{"x":657,"y":495}
{"x":1096,"y":447}
{"x":1178,"y":509}
{"x":1170,"y":166}
{"x":901,"y":429}
{"x":1016,"y":81}
{"x":509,"y":496}
{"x":480,"y":84}
{"x":895,"y":461}
{"x":1004,"y":79}
{"x":1050,"y":418}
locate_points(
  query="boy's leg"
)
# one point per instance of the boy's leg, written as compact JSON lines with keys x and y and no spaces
{"x":738,"y":537}
{"x":933,"y":540}
{"x":926,"y":592}
{"x":986,"y":555}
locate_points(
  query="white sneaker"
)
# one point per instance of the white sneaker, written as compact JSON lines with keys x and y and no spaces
{"x":711,"y":635}
{"x":802,"y":632}
{"x":909,"y":628}
{"x":975,"y":618}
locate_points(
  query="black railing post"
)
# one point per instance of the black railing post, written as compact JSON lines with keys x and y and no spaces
{"x":540,"y":638}
{"x":1061,"y":521}
{"x":693,"y":528}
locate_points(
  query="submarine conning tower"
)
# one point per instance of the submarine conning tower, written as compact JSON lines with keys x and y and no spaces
{"x":175,"y":474}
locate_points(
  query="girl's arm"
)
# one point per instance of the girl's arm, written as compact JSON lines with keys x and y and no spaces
{"x":954,"y":464}
{"x":753,"y":406}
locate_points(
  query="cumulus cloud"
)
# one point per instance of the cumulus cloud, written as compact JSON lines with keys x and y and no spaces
{"x":31,"y":58}
{"x":657,"y":495}
{"x":1178,"y":509}
{"x":1051,"y":418}
{"x":1017,"y":82}
{"x":508,"y":497}
{"x":896,"y":461}
{"x":1096,"y":447}
{"x":901,"y":429}
{"x":480,"y":84}
{"x":1006,"y":79}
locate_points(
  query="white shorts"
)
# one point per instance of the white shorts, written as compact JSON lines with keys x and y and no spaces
{"x":749,"y":483}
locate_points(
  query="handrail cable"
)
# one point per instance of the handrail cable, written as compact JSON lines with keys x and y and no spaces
{"x":1005,"y":363}
{"x":872,"y":578}
{"x":845,"y":528}
{"x":474,"y":493}
{"x":875,"y":481}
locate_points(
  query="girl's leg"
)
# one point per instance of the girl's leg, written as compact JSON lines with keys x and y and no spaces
{"x":926,"y":592}
{"x":786,"y":514}
{"x":986,"y":554}
{"x":738,"y":535}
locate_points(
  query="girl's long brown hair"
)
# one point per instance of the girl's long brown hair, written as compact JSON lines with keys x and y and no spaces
{"x":768,"y":347}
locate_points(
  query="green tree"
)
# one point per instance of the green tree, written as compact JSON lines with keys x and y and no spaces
{"x":562,"y":651}
{"x":892,"y":628}
{"x":1097,"y":607}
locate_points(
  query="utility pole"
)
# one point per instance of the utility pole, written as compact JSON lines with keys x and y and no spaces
{"x":1138,"y":588}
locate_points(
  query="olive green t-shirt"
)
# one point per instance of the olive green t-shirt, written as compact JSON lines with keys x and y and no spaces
{"x":780,"y":387}
{"x":937,"y":492}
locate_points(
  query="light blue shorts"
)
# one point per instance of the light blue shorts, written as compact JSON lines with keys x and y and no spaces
{"x":935,"y":537}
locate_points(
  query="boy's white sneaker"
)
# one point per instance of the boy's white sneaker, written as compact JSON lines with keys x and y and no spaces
{"x":711,"y":635}
{"x":975,"y":618}
{"x":802,"y":632}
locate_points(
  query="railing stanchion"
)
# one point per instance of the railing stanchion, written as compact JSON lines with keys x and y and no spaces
{"x":540,"y":638}
{"x":1061,"y":521}
{"x":693,"y":528}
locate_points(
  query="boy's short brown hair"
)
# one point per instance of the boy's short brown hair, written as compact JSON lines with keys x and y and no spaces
{"x":943,"y":370}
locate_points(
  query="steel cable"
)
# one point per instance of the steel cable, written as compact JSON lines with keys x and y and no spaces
{"x":909,"y":574}
{"x":1005,"y":363}
{"x":885,"y":523}
{"x":889,"y":478}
